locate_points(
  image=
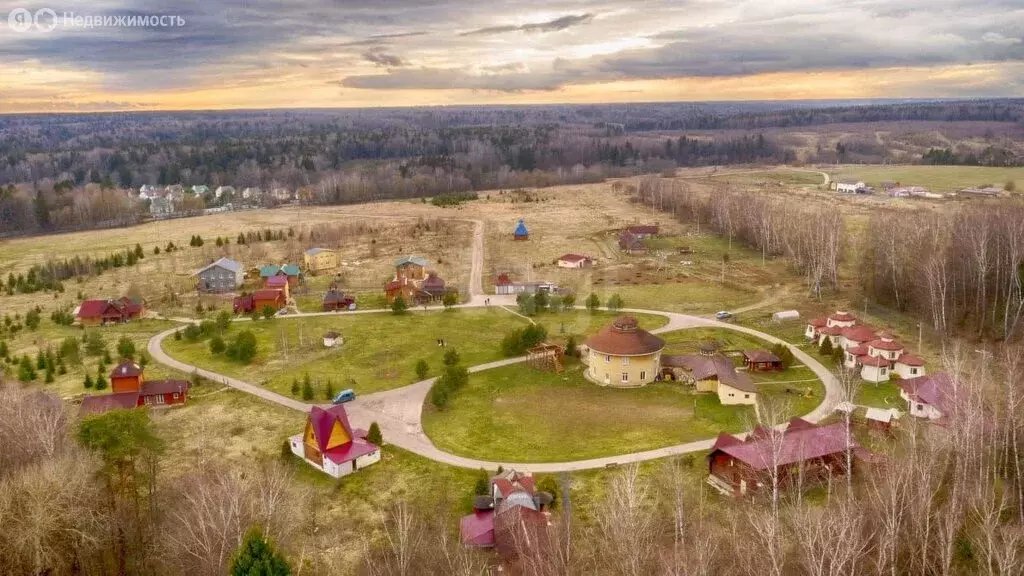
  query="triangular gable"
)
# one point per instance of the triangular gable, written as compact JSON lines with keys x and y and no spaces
{"x":338,"y":436}
{"x":322,"y":427}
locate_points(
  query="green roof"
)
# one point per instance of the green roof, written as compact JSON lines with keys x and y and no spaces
{"x":269,"y":270}
{"x":291,"y":269}
{"x":417,"y":260}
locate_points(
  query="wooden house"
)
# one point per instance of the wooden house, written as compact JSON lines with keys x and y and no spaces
{"x":412,"y":268}
{"x":100,"y":312}
{"x":803,"y":453}
{"x":243,"y":304}
{"x":631,"y":243}
{"x":714,"y":373}
{"x":643,"y":232}
{"x":290,"y":272}
{"x":131,"y":390}
{"x":761,"y":360}
{"x":330,"y":445}
{"x":261,"y":299}
{"x":279,"y":282}
{"x":320,"y":259}
{"x":520,"y":233}
{"x":224,"y":275}
{"x":512,"y":519}
{"x":433,"y":287}
{"x":335,"y":300}
{"x":623,"y":355}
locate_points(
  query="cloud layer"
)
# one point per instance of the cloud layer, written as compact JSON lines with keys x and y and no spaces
{"x":394,"y":48}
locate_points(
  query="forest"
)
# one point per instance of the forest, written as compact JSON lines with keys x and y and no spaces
{"x":67,"y":172}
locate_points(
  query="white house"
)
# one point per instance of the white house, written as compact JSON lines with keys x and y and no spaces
{"x":160,"y":207}
{"x":252,"y":194}
{"x":200,"y":189}
{"x":222,"y":190}
{"x":575,"y":261}
{"x":330,"y":445}
{"x":928,"y":397}
{"x":850,"y":186}
{"x":874,"y":368}
{"x":908,"y":366}
{"x":282,"y":194}
{"x":148,"y":192}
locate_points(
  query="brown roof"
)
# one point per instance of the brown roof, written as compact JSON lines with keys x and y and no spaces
{"x":935,"y":390}
{"x":126,"y":369}
{"x":703,"y":367}
{"x":859,"y":333}
{"x":885,"y":344}
{"x":625,"y":338}
{"x":817,"y":322}
{"x":573,"y":257}
{"x":760,"y":356}
{"x":107,"y":402}
{"x":910,"y":360}
{"x":830,"y":331}
{"x":798,"y":444}
{"x":648,"y":230}
{"x":876,"y":361}
{"x":154,"y":387}
{"x":273,"y":294}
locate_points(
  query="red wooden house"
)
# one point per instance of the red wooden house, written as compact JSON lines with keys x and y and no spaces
{"x":761,"y":360}
{"x":263,"y":298}
{"x":335,"y":299}
{"x":243,"y":304}
{"x":804,"y":454}
{"x":130,"y":390}
{"x":99,"y":312}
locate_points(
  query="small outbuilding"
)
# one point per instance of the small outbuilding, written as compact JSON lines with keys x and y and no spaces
{"x":575,"y":261}
{"x":520,"y":233}
{"x":761,"y":360}
{"x":332,"y":339}
{"x":785,"y":315}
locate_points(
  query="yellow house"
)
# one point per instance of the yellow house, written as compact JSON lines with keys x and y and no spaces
{"x":320,"y":259}
{"x":329,"y":443}
{"x":716,"y":374}
{"x":623,"y":355}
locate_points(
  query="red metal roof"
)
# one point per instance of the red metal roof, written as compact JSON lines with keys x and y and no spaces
{"x":830,"y":330}
{"x":273,"y":294}
{"x":155,"y":387}
{"x":858,"y":333}
{"x":876,"y":361}
{"x":277,"y":281}
{"x":910,"y":360}
{"x":725,"y":439}
{"x":859,"y":350}
{"x":322,"y":420}
{"x":107,"y":402}
{"x":885,"y":344}
{"x":502,"y":280}
{"x":818,"y":322}
{"x":841,"y":316}
{"x":797,"y":445}
{"x":643,"y":230}
{"x":350,"y":451}
{"x":625,"y":338}
{"x":94,"y":308}
{"x":477,"y":529}
{"x":935,"y":390}
{"x":573,"y":257}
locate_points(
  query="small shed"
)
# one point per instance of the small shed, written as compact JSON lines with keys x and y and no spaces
{"x":881,"y":418}
{"x":546,"y":357}
{"x":785,"y":315}
{"x":520,"y":232}
{"x":332,"y":339}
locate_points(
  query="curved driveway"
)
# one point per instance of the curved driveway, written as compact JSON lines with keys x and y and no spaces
{"x":398,"y":412}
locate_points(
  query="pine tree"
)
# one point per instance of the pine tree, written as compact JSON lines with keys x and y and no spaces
{"x":257,"y":557}
{"x":307,"y":388}
{"x":373,"y":435}
{"x":88,"y":381}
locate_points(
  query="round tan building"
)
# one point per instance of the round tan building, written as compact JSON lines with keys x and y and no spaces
{"x":623,"y":355}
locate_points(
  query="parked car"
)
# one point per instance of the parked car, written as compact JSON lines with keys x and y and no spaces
{"x":346,"y":395}
{"x":723,"y":315}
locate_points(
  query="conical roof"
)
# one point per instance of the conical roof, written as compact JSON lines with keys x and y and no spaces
{"x":624,"y":337}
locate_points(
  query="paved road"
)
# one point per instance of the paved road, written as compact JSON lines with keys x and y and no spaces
{"x":398,"y":412}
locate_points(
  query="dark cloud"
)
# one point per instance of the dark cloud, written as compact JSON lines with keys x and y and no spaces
{"x":555,"y":25}
{"x":382,"y":58}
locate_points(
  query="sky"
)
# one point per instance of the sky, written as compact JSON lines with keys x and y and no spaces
{"x":215,"y":54}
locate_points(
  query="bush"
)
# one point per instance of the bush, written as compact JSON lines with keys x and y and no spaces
{"x":192,"y":333}
{"x":223,"y":321}
{"x":569,"y":301}
{"x":94,"y":344}
{"x":217,"y":345}
{"x":307,"y":388}
{"x":482,"y":486}
{"x":517,"y":342}
{"x":451,"y":357}
{"x":593,"y":302}
{"x":69,"y":349}
{"x":243,"y":348}
{"x":541,"y":301}
{"x":208,"y":328}
{"x":374,"y":435}
{"x":570,"y":346}
{"x":549,"y":484}
{"x":32,"y":319}
{"x":422,"y":369}
{"x":615,"y":303}
{"x":268,"y":312}
{"x":527,"y":304}
{"x":454,"y":378}
{"x":257,"y":557}
{"x":295,"y":387}
{"x":451,"y":298}
{"x":126,"y":348}
{"x":398,"y":306}
{"x":329,"y":390}
{"x":783,"y":353}
{"x":439,"y":396}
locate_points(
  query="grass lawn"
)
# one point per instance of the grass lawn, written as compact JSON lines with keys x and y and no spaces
{"x":688,"y":340}
{"x":688,"y":296}
{"x":881,"y":395}
{"x":380,"y":350}
{"x":515,"y":413}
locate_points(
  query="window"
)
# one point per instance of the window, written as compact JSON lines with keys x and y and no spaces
{"x":731,"y":394}
{"x":625,"y":361}
{"x":746,"y":396}
{"x":643,"y":375}
{"x":607,"y":358}
{"x":913,"y":370}
{"x":625,"y":376}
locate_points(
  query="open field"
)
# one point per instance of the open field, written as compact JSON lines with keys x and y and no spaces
{"x":380,"y":350}
{"x":935,"y":178}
